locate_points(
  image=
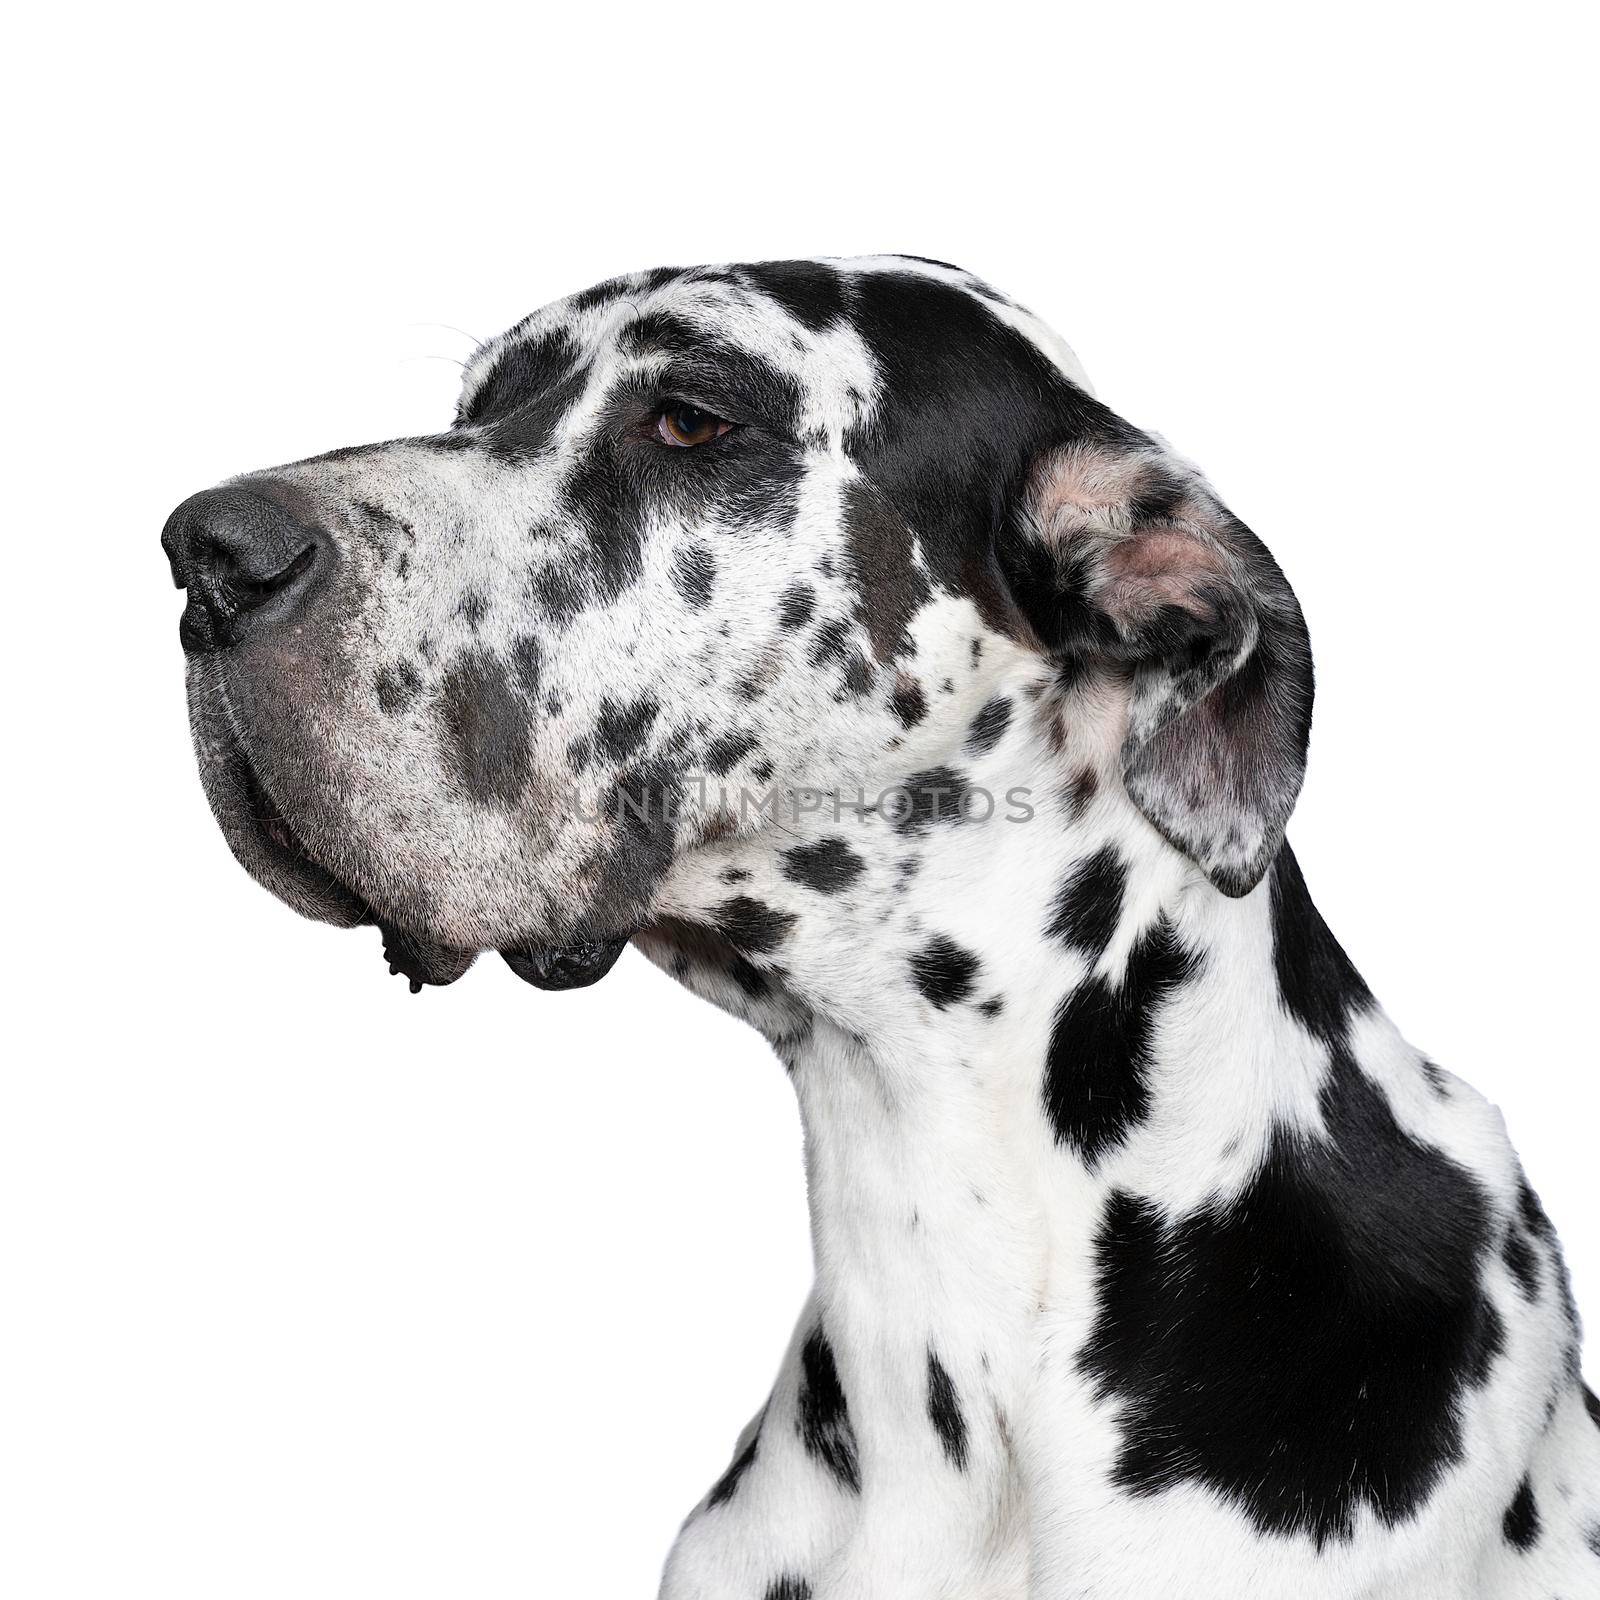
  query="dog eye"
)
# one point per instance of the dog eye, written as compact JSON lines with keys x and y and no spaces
{"x":682,"y":425}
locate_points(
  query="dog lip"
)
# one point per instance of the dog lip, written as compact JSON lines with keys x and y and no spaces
{"x":573,"y":966}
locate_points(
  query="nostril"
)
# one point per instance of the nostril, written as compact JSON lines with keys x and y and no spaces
{"x":234,"y":550}
{"x":248,"y":586}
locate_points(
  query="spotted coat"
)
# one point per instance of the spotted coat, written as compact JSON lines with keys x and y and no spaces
{"x":944,"y":726}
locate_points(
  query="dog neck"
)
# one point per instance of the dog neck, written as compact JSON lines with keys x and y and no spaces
{"x":1080,"y":1127}
{"x":999,"y":938}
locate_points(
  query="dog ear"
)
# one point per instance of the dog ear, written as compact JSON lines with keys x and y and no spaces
{"x":1123,"y":557}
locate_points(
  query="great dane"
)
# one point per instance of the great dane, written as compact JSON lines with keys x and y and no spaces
{"x":812,"y":626}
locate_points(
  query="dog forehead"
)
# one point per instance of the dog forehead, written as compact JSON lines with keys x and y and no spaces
{"x":796,"y":318}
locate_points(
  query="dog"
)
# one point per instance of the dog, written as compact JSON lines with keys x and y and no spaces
{"x":812,"y":626}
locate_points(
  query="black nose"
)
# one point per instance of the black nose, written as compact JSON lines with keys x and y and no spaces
{"x":245,"y":561}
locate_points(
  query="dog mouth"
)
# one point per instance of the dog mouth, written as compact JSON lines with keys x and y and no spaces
{"x":273,"y":852}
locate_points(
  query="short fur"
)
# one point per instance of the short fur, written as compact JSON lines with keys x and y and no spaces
{"x":944,"y":726}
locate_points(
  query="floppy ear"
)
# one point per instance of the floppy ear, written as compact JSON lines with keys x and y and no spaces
{"x":1123,"y":556}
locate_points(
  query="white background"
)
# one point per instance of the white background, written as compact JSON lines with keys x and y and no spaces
{"x":314,"y":1289}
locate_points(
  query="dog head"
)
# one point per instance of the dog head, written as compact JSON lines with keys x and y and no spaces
{"x":697,"y":533}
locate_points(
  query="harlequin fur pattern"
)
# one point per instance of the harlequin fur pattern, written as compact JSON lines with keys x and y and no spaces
{"x":813,"y":627}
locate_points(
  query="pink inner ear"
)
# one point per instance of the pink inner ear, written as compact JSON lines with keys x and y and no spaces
{"x":1147,"y":571}
{"x":1083,"y":479}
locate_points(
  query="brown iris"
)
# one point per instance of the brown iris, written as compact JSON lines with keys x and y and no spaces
{"x":681,"y":425}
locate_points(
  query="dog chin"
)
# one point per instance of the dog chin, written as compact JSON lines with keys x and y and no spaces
{"x":268,"y":848}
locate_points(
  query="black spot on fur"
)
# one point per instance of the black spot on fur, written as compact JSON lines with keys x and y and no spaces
{"x":397,"y":687}
{"x":938,"y":796}
{"x":558,"y":591}
{"x":975,"y":404}
{"x":694,"y":571}
{"x":1520,"y":1524}
{"x":1591,"y":1404}
{"x":944,"y":972}
{"x":1319,"y":986}
{"x":528,"y":372}
{"x":620,"y":730}
{"x":795,"y":606}
{"x":857,"y":674}
{"x":527,"y":666}
{"x":727,"y":1486}
{"x":812,"y":293}
{"x":1522,"y":1261}
{"x":486,"y":728}
{"x":751,"y":926}
{"x":1326,"y":1320}
{"x":908,"y":702}
{"x":1095,"y":1086}
{"x":823,"y":1422}
{"x":828,"y":865}
{"x":724,"y":754}
{"x":944,"y":1411}
{"x":788,"y":1588}
{"x":890,"y":588}
{"x":1080,"y":792}
{"x":993,"y":1006}
{"x":831,"y":642}
{"x":1534,"y":1217}
{"x":472,"y":609}
{"x":1089,"y":904}
{"x":989,"y":726}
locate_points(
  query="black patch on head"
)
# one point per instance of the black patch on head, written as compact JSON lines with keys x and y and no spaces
{"x":694,"y":572}
{"x":795,"y":606}
{"x":1327,"y":1320}
{"x":944,"y":972}
{"x":724,"y":754}
{"x":823,"y":1422}
{"x":1089,"y":904}
{"x":1319,"y":986}
{"x":751,"y":926}
{"x":944,"y":1412}
{"x":527,"y":663}
{"x":727,"y":1486}
{"x":536,"y":374}
{"x":993,"y":1006}
{"x":486,"y":728}
{"x":908,"y":702}
{"x":620,"y":730}
{"x":397,"y":687}
{"x":1521,"y":1525}
{"x":558,"y":590}
{"x":1095,"y":1085}
{"x":989,"y":726}
{"x":937,"y":797}
{"x":890,"y":588}
{"x":828,"y":866}
{"x":1522,"y":1262}
{"x":811,"y":293}
{"x":975,"y":404}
